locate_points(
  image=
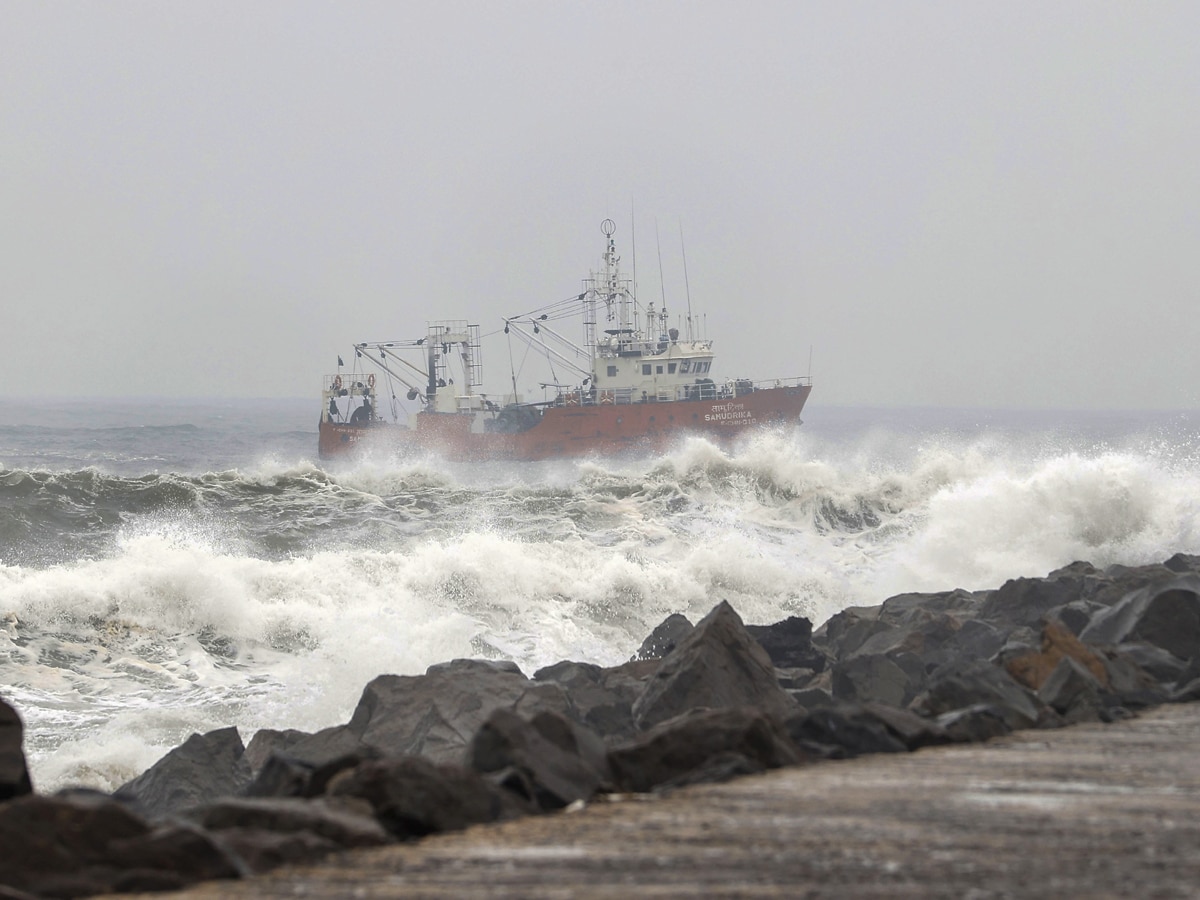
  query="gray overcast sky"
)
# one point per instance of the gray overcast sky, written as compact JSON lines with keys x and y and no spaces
{"x":992,"y":204}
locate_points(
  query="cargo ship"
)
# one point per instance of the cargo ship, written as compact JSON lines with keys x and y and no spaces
{"x":633,"y":385}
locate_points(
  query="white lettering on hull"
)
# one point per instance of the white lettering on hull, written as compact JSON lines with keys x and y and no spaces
{"x":731,"y":413}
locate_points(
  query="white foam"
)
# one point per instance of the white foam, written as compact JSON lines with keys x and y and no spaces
{"x":182,"y":628}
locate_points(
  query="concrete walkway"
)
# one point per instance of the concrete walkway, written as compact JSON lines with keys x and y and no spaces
{"x":1089,"y":811}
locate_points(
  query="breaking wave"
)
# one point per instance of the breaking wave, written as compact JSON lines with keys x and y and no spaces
{"x":136,"y":609}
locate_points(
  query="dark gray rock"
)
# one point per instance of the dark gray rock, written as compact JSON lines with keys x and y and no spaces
{"x":286,"y":776}
{"x":327,"y":745}
{"x":84,"y":842}
{"x":718,"y":664}
{"x":974,"y":639}
{"x":172,"y":855}
{"x":1120,"y":581}
{"x":203,"y":768}
{"x":267,"y":741}
{"x":1034,"y":666}
{"x":1161,"y":665}
{"x":975,"y":723}
{"x":412,"y":797}
{"x":1187,"y":686}
{"x":1184,"y":563}
{"x":792,"y":680}
{"x":260,"y":850}
{"x":935,"y":628}
{"x":1128,"y":683}
{"x":849,"y":727}
{"x":1073,"y":692}
{"x":1076,"y":615}
{"x":818,"y":691}
{"x":550,"y":758}
{"x":1025,"y":601}
{"x":14,"y":774}
{"x":1186,"y":692}
{"x":571,"y":737}
{"x":878,"y":677}
{"x":910,"y":729}
{"x":602,"y":699}
{"x":844,"y":632}
{"x":900,"y":609}
{"x":716,"y":769}
{"x":1165,"y":613}
{"x":980,"y":683}
{"x":789,"y":644}
{"x":693,"y":742}
{"x":663,"y":639}
{"x":346,"y":822}
{"x":475,"y":665}
{"x":435,"y":715}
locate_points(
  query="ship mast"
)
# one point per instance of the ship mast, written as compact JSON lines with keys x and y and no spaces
{"x":609,"y":289}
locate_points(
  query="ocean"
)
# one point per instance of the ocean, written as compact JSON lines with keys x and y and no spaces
{"x":171,"y":567}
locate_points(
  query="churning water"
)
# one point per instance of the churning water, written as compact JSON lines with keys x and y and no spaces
{"x":167,"y":568}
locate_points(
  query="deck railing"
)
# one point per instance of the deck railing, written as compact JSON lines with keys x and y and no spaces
{"x":707,"y":391}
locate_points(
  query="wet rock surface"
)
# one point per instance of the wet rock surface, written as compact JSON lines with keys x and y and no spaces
{"x":14,"y":776}
{"x":477,"y":742}
{"x":1087,"y":811}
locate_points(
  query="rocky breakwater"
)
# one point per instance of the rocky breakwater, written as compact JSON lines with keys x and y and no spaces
{"x":474,"y":741}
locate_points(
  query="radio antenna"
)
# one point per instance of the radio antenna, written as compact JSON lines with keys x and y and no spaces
{"x":633,"y":244}
{"x":661,"y":284}
{"x":687,"y":286}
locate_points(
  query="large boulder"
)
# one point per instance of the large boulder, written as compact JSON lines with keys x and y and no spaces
{"x":1128,"y":683}
{"x":1159,"y":664}
{"x":716,"y":665}
{"x":84,"y":842}
{"x":1025,"y":601}
{"x":981,"y":683}
{"x":907,"y":727}
{"x":789,"y":644}
{"x":702,"y":741}
{"x":412,"y":797}
{"x":975,"y":723}
{"x":269,"y":741}
{"x":1184,"y":563}
{"x":1165,"y":614}
{"x":1058,"y":643}
{"x":435,"y":715}
{"x":345,"y":822}
{"x":260,"y":850}
{"x":203,"y":768}
{"x":1073,"y":692}
{"x":845,"y":631}
{"x":551,"y":761}
{"x":288,"y":776}
{"x":891,"y":678}
{"x":663,"y":639}
{"x":14,"y":774}
{"x":601,"y":698}
{"x":849,"y":729}
{"x":899,"y":608}
{"x":327,"y":745}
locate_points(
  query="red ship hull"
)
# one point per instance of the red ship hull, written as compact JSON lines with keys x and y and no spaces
{"x":574,"y":431}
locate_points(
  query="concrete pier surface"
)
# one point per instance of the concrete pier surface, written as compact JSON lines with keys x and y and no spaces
{"x":1087,"y":811}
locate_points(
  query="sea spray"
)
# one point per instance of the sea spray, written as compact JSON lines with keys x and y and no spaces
{"x":254,"y":587}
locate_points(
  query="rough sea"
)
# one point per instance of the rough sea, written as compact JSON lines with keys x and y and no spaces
{"x":170,"y":567}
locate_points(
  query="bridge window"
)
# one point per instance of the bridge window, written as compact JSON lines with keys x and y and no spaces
{"x":685,"y":367}
{"x":670,"y":368}
{"x":612,"y":371}
{"x":658,"y":370}
{"x":645,"y":368}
